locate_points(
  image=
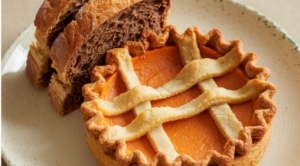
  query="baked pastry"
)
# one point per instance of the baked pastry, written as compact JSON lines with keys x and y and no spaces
{"x":150,"y":109}
{"x":52,"y":17}
{"x":98,"y":26}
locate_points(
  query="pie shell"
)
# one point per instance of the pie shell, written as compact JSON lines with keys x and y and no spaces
{"x":250,"y":152}
{"x":250,"y":159}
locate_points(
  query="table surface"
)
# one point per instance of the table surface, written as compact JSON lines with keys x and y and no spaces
{"x":18,"y":14}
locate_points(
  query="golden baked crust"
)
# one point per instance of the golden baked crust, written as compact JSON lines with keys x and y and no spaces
{"x":249,"y":159}
{"x":257,"y":150}
{"x":38,"y":62}
{"x":112,"y":139}
{"x":32,"y":69}
{"x":48,"y":15}
{"x":59,"y":95}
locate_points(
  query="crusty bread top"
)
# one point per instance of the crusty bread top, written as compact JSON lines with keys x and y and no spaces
{"x":87,"y":20}
{"x":96,"y":12}
{"x":48,"y":15}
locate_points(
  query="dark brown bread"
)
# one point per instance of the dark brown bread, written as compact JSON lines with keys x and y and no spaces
{"x":52,"y":17}
{"x":99,"y":26}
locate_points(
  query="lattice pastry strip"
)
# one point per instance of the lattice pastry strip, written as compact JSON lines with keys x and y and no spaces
{"x":153,"y":117}
{"x":223,"y":116}
{"x":94,"y":108}
{"x":190,"y":75}
{"x":158,"y":138}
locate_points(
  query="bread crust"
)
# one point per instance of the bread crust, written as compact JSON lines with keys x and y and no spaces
{"x":57,"y":95}
{"x":48,"y":15}
{"x":38,"y":62}
{"x":261,"y":117}
{"x":32,"y":69}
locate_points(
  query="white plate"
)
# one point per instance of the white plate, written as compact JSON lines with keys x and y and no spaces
{"x":34,"y":134}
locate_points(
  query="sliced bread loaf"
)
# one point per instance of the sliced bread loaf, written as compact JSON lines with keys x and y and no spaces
{"x":52,"y":17}
{"x":98,"y":26}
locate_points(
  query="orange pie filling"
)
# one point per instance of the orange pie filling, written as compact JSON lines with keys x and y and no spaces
{"x":193,"y":136}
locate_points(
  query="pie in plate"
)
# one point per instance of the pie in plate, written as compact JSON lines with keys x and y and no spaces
{"x":189,"y":99}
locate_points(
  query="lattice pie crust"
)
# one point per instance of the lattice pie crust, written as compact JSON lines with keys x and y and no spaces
{"x":108,"y":142}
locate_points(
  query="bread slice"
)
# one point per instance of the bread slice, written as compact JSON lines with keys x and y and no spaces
{"x":98,"y":26}
{"x":52,"y":17}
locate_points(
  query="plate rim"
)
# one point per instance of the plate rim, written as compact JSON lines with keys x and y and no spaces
{"x":14,"y":44}
{"x":4,"y":59}
{"x":19,"y":38}
{"x":265,"y":18}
